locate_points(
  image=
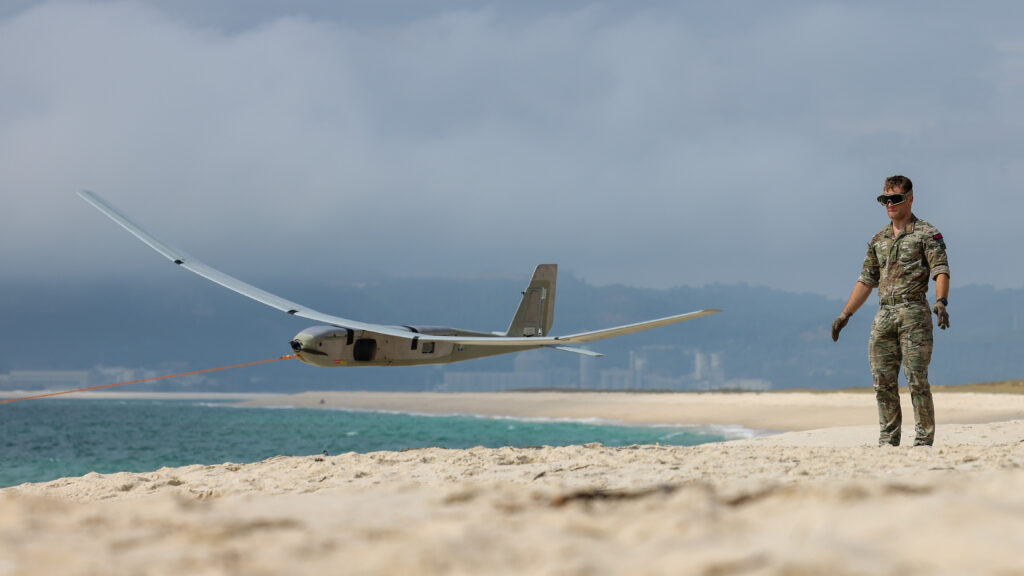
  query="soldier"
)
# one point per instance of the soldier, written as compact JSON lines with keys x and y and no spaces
{"x":900,"y":260}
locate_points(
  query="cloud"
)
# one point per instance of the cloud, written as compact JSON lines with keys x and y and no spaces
{"x":657,"y":145}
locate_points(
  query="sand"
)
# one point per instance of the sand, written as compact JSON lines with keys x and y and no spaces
{"x":822,"y":499}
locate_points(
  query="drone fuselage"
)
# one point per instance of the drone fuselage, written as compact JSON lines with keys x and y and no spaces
{"x":331,"y":346}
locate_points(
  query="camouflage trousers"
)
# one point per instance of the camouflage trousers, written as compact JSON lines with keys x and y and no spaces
{"x":902,"y":333}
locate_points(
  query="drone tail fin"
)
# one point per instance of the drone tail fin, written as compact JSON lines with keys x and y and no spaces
{"x":537,"y":308}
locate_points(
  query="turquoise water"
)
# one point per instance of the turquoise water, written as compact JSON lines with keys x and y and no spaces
{"x":46,"y":439}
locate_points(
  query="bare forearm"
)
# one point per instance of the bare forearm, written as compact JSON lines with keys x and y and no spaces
{"x":857,"y":298}
{"x":942,"y":286}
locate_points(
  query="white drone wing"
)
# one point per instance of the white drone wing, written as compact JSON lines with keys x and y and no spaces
{"x":193,"y":265}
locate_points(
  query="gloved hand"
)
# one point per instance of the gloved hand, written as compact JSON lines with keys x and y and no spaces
{"x":838,"y":325}
{"x":943,"y":316}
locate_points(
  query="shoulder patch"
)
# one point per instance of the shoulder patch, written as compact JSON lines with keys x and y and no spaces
{"x":937,"y":236}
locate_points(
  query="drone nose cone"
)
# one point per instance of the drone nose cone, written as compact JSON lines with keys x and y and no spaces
{"x":304,"y":345}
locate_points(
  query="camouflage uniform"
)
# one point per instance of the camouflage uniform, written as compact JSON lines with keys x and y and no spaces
{"x":902,"y":330}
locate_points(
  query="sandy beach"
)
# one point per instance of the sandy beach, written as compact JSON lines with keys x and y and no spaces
{"x":821,"y":498}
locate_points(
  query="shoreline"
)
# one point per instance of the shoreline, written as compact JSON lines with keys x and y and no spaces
{"x":733,"y":414}
{"x":771,"y":413}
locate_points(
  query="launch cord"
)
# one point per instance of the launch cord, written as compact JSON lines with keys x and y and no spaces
{"x":48,"y":394}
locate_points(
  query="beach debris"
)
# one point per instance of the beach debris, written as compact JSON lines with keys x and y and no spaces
{"x":591,"y":495}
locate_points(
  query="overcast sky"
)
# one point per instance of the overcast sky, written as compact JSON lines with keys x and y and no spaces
{"x":649,"y":144}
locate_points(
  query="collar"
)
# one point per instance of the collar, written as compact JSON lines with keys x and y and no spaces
{"x":908,"y":230}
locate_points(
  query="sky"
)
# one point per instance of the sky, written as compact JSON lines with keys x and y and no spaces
{"x":651,"y":144}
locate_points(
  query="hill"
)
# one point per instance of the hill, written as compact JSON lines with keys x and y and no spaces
{"x":59,"y":335}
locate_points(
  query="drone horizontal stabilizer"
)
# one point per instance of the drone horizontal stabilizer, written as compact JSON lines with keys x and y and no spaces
{"x":573,"y":349}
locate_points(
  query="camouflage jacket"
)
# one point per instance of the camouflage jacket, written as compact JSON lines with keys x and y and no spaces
{"x":901,"y":266}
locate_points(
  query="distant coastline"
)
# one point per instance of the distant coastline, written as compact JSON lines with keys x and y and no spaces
{"x":770,"y":412}
{"x":1000,"y":387}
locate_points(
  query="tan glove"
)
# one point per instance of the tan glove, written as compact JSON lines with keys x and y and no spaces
{"x":943,"y":316}
{"x":838,"y":325}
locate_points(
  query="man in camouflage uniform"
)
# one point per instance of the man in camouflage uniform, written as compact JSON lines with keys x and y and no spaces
{"x":900,"y":260}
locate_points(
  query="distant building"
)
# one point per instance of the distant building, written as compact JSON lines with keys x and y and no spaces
{"x":45,"y":379}
{"x":747,"y":384}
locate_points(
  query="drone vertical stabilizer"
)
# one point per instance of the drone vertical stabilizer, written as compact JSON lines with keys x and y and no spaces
{"x":537,"y":308}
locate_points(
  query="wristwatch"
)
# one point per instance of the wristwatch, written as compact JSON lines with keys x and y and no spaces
{"x":943,"y":300}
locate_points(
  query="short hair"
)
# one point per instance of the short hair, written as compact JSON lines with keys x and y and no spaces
{"x":898,"y":181}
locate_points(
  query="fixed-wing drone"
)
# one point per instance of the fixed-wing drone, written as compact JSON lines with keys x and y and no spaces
{"x":343,"y":342}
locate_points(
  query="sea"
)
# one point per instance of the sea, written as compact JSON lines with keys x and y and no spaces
{"x":46,"y":439}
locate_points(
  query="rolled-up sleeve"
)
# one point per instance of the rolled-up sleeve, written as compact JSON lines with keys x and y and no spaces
{"x":935,"y":254}
{"x":869,"y":272}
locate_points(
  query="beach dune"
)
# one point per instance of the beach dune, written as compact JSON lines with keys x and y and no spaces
{"x":816,"y":500}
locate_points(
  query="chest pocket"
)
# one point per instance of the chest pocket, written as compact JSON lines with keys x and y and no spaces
{"x":882,"y":253}
{"x":909,"y":252}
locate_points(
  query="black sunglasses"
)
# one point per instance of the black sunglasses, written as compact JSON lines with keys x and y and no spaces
{"x":894,"y":199}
